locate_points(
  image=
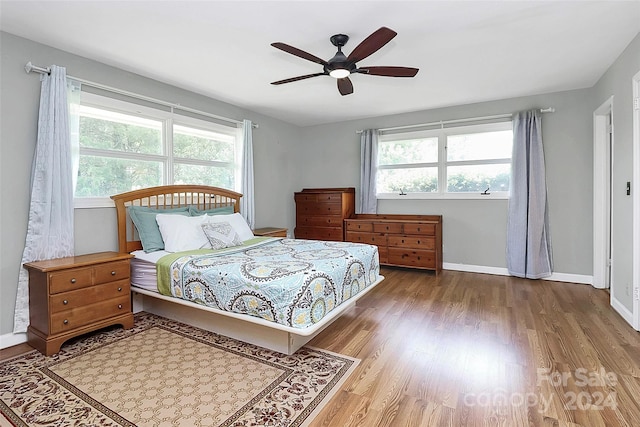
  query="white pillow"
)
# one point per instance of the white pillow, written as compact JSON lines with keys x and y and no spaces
{"x":238,"y":223}
{"x":221,"y":235}
{"x":182,"y":233}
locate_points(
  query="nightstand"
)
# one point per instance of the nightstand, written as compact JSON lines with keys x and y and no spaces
{"x":270,"y":232}
{"x":75,"y":295}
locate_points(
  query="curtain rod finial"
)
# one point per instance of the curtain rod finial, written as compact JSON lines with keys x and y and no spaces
{"x":28,"y":67}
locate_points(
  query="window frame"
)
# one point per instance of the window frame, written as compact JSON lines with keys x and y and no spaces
{"x":168,"y":160}
{"x":442,"y":132}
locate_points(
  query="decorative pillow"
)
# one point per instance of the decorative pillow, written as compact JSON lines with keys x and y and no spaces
{"x":237,"y":222}
{"x":226,"y":210}
{"x":144,"y":219}
{"x":221,"y":235}
{"x":182,"y":233}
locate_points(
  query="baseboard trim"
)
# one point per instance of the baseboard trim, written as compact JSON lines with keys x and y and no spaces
{"x":500,"y":271}
{"x":622,"y":311}
{"x":11,"y":339}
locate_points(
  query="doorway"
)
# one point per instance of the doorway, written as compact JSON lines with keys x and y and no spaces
{"x":602,"y":161}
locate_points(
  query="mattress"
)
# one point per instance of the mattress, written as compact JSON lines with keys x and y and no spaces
{"x":287,"y":281}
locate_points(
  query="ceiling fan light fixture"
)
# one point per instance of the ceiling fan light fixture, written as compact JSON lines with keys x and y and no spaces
{"x":339,"y":73}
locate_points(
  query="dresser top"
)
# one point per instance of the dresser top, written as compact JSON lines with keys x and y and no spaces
{"x":329,"y":190}
{"x":76,"y":261}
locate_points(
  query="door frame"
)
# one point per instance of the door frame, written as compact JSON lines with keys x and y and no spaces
{"x":635,"y":191}
{"x":601,"y":201}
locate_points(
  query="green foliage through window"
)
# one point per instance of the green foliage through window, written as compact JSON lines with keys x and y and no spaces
{"x":123,"y":151}
{"x":471,"y":160}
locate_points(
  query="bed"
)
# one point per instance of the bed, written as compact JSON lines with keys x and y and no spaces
{"x":273,"y":292}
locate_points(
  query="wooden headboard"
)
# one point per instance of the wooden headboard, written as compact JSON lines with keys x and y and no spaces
{"x":163,"y":197}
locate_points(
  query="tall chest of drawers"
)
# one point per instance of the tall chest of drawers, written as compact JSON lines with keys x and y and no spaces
{"x":402,"y":240}
{"x":320,"y":212}
{"x":75,"y":295}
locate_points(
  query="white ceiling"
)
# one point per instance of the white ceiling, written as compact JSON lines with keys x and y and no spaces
{"x":467,"y":51}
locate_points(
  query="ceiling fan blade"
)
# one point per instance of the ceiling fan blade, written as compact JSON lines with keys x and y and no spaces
{"x":299,"y":53}
{"x":295,"y":79}
{"x":389,"y":71}
{"x":345,"y":87}
{"x":371,"y":44}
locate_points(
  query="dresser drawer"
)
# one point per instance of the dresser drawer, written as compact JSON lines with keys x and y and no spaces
{"x":318,"y":233}
{"x":359,"y":226}
{"x":85,"y":315}
{"x":387,"y":227}
{"x":80,"y":297}
{"x":369,"y":238}
{"x":319,"y":221}
{"x":328,"y":208}
{"x":412,"y":257}
{"x":415,"y":242}
{"x":111,"y":271}
{"x":383,"y":254}
{"x":318,"y":197}
{"x":69,"y":280}
{"x":424,"y":229}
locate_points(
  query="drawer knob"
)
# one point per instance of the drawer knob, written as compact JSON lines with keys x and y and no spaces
{"x":73,"y":280}
{"x":65,"y":321}
{"x":119,"y":289}
{"x":119,"y":305}
{"x":65,"y":302}
{"x":113,"y":273}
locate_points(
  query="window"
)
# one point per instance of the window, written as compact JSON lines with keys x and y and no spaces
{"x":126,"y":146}
{"x":462,"y":162}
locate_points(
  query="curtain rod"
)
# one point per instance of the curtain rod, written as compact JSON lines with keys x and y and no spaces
{"x":446,"y":122}
{"x":29,"y":67}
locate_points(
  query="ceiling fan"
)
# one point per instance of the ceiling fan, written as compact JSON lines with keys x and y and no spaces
{"x":341,"y":66}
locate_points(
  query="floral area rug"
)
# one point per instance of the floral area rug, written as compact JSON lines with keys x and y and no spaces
{"x":164,"y":373}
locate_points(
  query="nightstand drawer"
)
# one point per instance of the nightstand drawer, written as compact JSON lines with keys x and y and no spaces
{"x":81,"y":297}
{"x":111,"y":271}
{"x":69,"y":280}
{"x":416,"y":242}
{"x":82,"y":316}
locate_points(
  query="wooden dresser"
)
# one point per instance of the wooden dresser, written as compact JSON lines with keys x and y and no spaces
{"x":75,"y":295}
{"x":402,"y":240}
{"x":320,"y":212}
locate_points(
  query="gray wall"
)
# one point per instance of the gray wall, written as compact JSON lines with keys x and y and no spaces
{"x":617,"y":82}
{"x":95,"y":228}
{"x":474,"y":231}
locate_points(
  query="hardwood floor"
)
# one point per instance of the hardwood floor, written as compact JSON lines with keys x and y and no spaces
{"x":465,"y":349}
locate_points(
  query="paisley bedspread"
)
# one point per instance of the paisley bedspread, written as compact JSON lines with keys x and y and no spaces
{"x":288,"y":281}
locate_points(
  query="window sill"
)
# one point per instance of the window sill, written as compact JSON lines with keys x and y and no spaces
{"x":92,"y":203}
{"x":448,"y":196}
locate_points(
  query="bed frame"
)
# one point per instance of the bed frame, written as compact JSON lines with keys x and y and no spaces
{"x":274,"y":336}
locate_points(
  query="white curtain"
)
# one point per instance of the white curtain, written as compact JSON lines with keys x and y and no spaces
{"x":368,"y":165}
{"x":50,"y":226}
{"x":247,"y":206}
{"x":529,"y":252}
